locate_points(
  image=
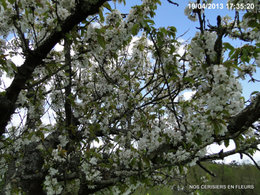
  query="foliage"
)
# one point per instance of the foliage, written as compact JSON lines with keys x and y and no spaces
{"x":106,"y":113}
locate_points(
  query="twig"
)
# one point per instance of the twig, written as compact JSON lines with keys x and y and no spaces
{"x":205,"y":169}
{"x":173,"y":3}
{"x":257,"y":166}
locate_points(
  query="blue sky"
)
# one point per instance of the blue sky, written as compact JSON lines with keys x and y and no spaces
{"x":170,"y":15}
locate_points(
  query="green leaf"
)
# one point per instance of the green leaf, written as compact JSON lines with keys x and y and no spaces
{"x":101,"y":41}
{"x":253,"y":23}
{"x":100,"y":13}
{"x":149,"y":21}
{"x":198,"y":140}
{"x":231,"y":63}
{"x":251,"y":151}
{"x":173,"y":29}
{"x":107,"y":5}
{"x":226,"y":142}
{"x":188,"y":80}
{"x":228,"y":46}
{"x":120,"y":1}
{"x":254,"y":93}
{"x":247,"y":15}
{"x":236,"y":54}
{"x":135,"y":29}
{"x":217,"y":127}
{"x":133,"y":162}
{"x":160,"y":38}
{"x":12,"y":1}
{"x":4,"y":4}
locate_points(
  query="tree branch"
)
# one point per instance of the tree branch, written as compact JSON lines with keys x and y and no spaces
{"x":222,"y":155}
{"x":257,"y":166}
{"x":34,"y":58}
{"x":243,"y":120}
{"x":238,"y":124}
{"x":206,"y":170}
{"x":174,"y":3}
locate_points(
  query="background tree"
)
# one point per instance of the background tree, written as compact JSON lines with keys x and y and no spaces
{"x":106,"y":112}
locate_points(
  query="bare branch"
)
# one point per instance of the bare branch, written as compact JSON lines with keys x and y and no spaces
{"x":205,"y":169}
{"x":257,"y":166}
{"x":174,"y":3}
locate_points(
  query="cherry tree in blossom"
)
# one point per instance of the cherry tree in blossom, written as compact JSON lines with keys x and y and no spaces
{"x":106,"y":112}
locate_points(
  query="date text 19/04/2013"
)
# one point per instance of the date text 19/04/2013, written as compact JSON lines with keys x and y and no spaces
{"x":230,"y":6}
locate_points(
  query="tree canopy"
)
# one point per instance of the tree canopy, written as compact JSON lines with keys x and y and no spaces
{"x":106,"y":112}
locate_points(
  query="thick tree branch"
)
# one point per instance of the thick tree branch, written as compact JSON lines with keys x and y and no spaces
{"x":237,"y":124}
{"x":243,"y":120}
{"x":35,"y":57}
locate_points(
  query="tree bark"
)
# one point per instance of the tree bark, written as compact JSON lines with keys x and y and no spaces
{"x":35,"y":57}
{"x":243,"y":120}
